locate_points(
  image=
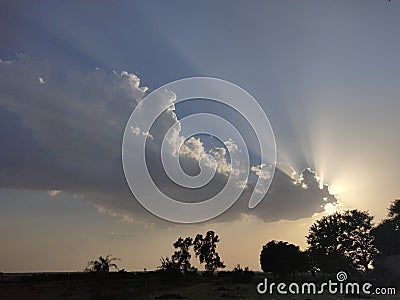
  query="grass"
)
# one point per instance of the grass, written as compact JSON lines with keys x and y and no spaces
{"x":147,"y":286}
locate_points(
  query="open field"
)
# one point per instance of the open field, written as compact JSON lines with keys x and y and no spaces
{"x":146,"y":286}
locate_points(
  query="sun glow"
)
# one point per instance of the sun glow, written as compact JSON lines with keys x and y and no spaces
{"x":337,"y":188}
{"x":330,"y":208}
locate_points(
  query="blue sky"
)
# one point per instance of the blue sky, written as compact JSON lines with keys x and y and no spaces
{"x":326,"y":73}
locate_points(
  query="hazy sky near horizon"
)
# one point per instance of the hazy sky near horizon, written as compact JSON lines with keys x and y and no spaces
{"x":326,"y":74}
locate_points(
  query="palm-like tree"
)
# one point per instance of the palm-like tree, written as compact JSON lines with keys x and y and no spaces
{"x":102,"y":264}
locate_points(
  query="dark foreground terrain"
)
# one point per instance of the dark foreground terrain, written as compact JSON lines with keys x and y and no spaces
{"x":151,"y":285}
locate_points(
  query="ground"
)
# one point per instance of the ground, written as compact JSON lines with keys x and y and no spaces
{"x":147,"y":286}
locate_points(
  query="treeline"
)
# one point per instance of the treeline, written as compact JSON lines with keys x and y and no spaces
{"x":343,"y":241}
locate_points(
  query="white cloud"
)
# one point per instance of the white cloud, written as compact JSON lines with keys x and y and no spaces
{"x":54,"y":192}
{"x":147,"y":134}
{"x":192,"y":147}
{"x":223,"y":166}
{"x":135,"y":130}
{"x":230,"y":144}
{"x":262,"y":171}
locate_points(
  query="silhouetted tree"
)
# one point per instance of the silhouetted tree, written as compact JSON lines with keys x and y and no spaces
{"x":168,"y":264}
{"x":387,"y":233}
{"x":326,"y":244}
{"x":102,"y":264}
{"x":394,"y":211}
{"x":304,"y":263}
{"x":283,"y":259}
{"x":342,"y":241}
{"x":362,"y":248}
{"x":182,"y":256}
{"x":170,"y":271}
{"x":205,"y":250}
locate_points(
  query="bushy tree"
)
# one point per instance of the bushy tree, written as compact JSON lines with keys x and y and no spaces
{"x":342,"y":241}
{"x":205,"y":250}
{"x":182,"y":255}
{"x":170,"y":271}
{"x":387,"y":233}
{"x":283,"y":259}
{"x":102,"y":264}
{"x":362,"y":249}
{"x":168,"y":264}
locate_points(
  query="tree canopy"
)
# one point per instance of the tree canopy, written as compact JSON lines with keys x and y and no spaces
{"x":205,"y":250}
{"x":387,"y":233}
{"x":182,"y":255}
{"x":102,"y":264}
{"x":283,"y":259}
{"x":342,"y":240}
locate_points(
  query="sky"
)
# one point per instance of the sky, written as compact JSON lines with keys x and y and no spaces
{"x":326,"y":74}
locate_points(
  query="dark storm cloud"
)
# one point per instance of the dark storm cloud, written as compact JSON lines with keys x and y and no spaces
{"x":62,"y":129}
{"x":76,"y":119}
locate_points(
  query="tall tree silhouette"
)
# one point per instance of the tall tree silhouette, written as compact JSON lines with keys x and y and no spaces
{"x":205,"y":250}
{"x":182,"y":256}
{"x":283,"y":259}
{"x":342,"y":241}
{"x":387,"y":233}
